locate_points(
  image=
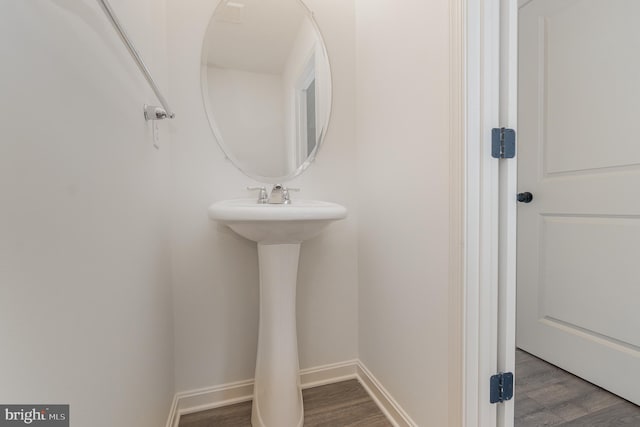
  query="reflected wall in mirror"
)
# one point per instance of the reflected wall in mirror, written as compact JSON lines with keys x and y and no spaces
{"x":266,"y":86}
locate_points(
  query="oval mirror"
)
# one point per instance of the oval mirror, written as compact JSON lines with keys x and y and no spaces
{"x":266,"y":85}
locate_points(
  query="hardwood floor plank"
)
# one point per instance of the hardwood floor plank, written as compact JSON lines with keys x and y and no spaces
{"x":360,"y":414}
{"x":534,"y":374}
{"x":598,"y":399}
{"x":526,"y":406}
{"x":586,"y":403}
{"x":561,"y":391}
{"x":238,"y":415}
{"x":620,"y":414}
{"x":326,"y":397}
{"x":540,"y":418}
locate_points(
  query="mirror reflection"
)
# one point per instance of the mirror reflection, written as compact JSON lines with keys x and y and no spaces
{"x":266,"y":86}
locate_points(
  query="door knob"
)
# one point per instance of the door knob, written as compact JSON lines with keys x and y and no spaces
{"x":525,"y":197}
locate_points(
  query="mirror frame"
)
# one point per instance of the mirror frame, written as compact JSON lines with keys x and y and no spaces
{"x":204,"y":89}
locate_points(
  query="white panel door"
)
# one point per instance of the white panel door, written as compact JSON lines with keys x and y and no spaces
{"x":578,"y":280}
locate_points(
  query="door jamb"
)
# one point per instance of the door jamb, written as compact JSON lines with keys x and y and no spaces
{"x":507,"y":204}
{"x":488,"y":207}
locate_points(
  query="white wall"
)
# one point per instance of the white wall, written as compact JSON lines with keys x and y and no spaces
{"x":215,"y":272}
{"x":403,"y":146}
{"x":85,"y":307}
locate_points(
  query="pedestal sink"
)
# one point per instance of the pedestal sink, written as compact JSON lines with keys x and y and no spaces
{"x":279,"y":229}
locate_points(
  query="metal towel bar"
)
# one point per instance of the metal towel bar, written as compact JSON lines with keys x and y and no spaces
{"x":150,"y":112}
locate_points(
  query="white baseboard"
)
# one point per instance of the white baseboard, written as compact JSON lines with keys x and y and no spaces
{"x":328,"y":374}
{"x":174,"y":418}
{"x":387,"y":404}
{"x":188,"y":402}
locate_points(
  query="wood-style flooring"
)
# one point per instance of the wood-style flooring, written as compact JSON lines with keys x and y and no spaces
{"x":546,"y":395}
{"x":343,"y":404}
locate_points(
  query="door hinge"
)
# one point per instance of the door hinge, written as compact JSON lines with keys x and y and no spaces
{"x":501,"y":386}
{"x":503,"y":143}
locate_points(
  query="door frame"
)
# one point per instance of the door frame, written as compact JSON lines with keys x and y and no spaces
{"x":488,"y":188}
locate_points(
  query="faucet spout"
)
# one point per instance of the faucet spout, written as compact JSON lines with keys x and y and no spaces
{"x":277,"y":194}
{"x":280,"y":194}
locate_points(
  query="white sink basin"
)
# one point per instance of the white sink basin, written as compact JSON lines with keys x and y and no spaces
{"x":275,"y":224}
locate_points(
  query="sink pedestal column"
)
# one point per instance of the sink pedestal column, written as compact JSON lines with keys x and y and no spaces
{"x":277,"y":396}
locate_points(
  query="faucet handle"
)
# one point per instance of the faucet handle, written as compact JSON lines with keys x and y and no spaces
{"x":262,"y":195}
{"x":285,"y":194}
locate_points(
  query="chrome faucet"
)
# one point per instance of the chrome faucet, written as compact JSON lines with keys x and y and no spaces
{"x":279,"y":194}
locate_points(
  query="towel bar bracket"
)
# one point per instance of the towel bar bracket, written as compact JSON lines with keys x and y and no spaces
{"x":150,"y":112}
